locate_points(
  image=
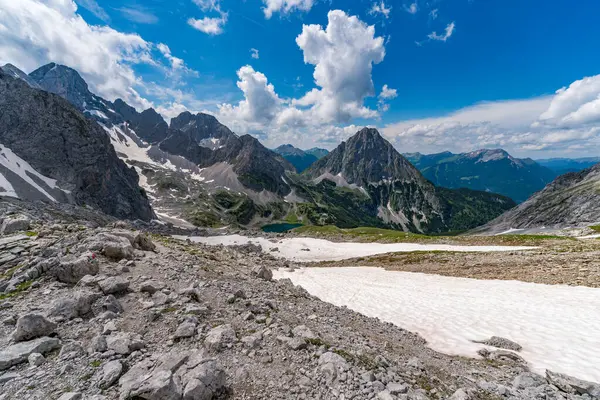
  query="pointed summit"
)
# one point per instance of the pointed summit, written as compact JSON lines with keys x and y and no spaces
{"x":366,"y":158}
{"x":63,"y":81}
{"x":17,"y":73}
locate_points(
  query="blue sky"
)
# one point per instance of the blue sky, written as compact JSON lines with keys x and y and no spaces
{"x":460,"y":74}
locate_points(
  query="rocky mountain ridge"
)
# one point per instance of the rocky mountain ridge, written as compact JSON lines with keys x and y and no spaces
{"x":51,"y":152}
{"x":197,"y":170}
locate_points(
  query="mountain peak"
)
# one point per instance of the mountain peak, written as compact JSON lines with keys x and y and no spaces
{"x":365,"y":158}
{"x":15,"y":72}
{"x":65,"y":82}
{"x":367,"y":133}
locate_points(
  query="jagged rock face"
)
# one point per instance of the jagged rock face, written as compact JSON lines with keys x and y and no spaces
{"x":488,"y":170}
{"x":148,"y":125}
{"x":205,"y":141}
{"x":259,"y":168}
{"x":366,"y":158}
{"x":68,"y":84}
{"x":572,"y":199}
{"x":60,"y":144}
{"x":201,"y":127}
{"x":63,"y":81}
{"x":17,"y":73}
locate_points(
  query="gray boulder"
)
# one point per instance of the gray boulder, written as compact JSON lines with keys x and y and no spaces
{"x":72,"y":271}
{"x":204,"y":381}
{"x":78,"y":304}
{"x":185,"y":330}
{"x":124,"y":342}
{"x":263,"y":272}
{"x":112,"y":246}
{"x":501,"y":343}
{"x":303,"y":332}
{"x":36,"y":359}
{"x":174,"y":376}
{"x":570,"y":384}
{"x":32,"y":326}
{"x":220,"y":337}
{"x":142,"y":241}
{"x":18,"y":353}
{"x":114,"y":285}
{"x":111,"y":371}
{"x":527,"y":380}
{"x":12,"y":225}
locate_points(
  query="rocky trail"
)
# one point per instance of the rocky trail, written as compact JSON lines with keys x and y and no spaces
{"x":93,"y":308}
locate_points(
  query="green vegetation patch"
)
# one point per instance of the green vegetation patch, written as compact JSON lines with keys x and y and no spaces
{"x":21,"y":287}
{"x":367,"y":234}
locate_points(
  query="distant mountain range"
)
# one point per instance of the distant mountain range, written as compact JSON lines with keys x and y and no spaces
{"x":300,"y":159}
{"x":571,"y":200}
{"x":563,"y":165}
{"x":196,"y":171}
{"x":493,"y":171}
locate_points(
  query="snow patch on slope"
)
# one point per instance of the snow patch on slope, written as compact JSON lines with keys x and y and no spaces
{"x":323,"y":250}
{"x":25,"y":171}
{"x":556,"y":325}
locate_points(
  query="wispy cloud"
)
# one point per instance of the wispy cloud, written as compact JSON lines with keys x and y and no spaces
{"x":433,"y":13}
{"x":254,"y":53}
{"x":412,"y":8}
{"x":93,"y":7}
{"x":380,"y":8}
{"x":138,"y":15}
{"x":448,"y":32}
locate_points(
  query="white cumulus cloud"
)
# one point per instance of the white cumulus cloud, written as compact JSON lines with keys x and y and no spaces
{"x":285,"y":6}
{"x":578,"y":104}
{"x":520,"y":126}
{"x":51,"y":31}
{"x":260,"y":105}
{"x":208,"y":25}
{"x":343,"y":55}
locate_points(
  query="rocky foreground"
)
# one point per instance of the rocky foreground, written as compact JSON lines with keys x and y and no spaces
{"x":94,"y":309}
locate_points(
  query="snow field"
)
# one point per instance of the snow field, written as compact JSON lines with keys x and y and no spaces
{"x":558,"y":326}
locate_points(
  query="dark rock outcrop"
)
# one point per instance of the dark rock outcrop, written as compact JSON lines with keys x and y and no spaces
{"x":60,"y":143}
{"x":148,"y":125}
{"x":17,"y":73}
{"x":68,"y":84}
